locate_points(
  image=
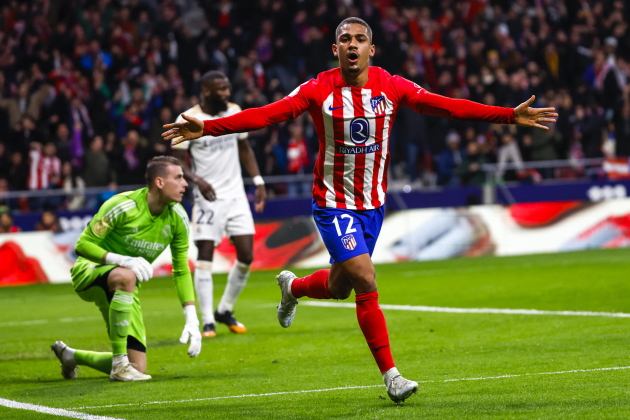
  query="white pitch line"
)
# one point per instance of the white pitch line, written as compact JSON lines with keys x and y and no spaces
{"x":470,"y":310}
{"x":54,"y":411}
{"x":354,"y":387}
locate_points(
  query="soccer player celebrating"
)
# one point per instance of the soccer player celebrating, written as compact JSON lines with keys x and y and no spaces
{"x":220,"y":201}
{"x":115,"y":253}
{"x":353,"y":108}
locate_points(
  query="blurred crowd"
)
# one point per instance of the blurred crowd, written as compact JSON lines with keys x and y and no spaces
{"x":85,"y":86}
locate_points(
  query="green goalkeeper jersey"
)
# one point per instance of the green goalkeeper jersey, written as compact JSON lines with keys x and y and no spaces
{"x":124,"y":225}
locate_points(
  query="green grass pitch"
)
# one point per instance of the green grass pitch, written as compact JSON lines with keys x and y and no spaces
{"x":324,"y":348}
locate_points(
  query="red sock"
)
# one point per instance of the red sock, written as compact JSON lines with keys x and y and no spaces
{"x":372,"y":323}
{"x":314,"y":286}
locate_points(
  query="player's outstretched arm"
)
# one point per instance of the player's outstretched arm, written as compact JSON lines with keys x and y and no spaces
{"x":463,"y":110}
{"x":249,"y":120}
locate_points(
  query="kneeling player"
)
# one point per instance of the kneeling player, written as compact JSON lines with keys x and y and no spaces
{"x":115,"y":254}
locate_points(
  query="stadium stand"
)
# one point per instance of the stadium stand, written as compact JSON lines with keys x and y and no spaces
{"x":86,"y":86}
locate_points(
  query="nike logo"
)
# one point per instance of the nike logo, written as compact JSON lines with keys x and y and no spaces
{"x":330,"y":108}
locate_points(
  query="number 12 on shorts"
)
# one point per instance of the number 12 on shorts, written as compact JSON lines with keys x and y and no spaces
{"x":349,"y":229}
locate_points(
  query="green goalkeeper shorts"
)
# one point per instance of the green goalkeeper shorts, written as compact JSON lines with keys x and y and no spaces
{"x":90,"y":283}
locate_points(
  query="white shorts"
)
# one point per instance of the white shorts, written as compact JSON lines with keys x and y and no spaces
{"x":212,"y":218}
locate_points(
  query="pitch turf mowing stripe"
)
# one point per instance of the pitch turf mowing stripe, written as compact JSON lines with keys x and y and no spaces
{"x":470,"y":310}
{"x":54,"y":411}
{"x":519,"y":375}
{"x":75,"y":319}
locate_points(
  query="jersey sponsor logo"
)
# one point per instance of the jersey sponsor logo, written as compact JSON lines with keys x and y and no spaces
{"x":358,"y":150}
{"x":359,"y":130}
{"x":330,"y":108}
{"x":349,"y":242}
{"x":144,"y":244}
{"x":378,"y":105}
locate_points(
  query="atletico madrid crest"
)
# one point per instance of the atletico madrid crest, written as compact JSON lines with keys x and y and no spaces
{"x":349,"y":242}
{"x":378,"y":105}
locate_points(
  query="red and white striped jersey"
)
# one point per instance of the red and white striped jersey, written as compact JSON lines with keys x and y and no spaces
{"x":353,"y":126}
{"x":42,"y":169}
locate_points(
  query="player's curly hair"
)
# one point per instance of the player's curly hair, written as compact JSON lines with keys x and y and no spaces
{"x":157,"y":167}
{"x":354,"y":20}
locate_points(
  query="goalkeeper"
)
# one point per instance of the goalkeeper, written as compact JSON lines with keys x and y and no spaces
{"x":115,"y":254}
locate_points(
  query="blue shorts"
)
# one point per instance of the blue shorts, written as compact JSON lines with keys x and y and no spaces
{"x":348,"y":233}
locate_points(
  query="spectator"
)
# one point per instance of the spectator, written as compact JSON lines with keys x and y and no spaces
{"x":449,"y":159}
{"x":297,"y":158}
{"x":470,"y":170}
{"x":23,"y":103}
{"x":6,"y":219}
{"x":98,"y":171}
{"x":18,"y":172}
{"x":72,"y":182}
{"x":156,"y":142}
{"x":45,"y":167}
{"x":134,"y":159}
{"x":4,"y":162}
{"x":48,"y":222}
{"x":509,"y":153}
{"x":543,"y":147}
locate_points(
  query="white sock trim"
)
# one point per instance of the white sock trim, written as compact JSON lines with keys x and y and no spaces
{"x":289,"y":288}
{"x":119,"y":359}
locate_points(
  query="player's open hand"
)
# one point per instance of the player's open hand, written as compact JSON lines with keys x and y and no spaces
{"x":190,"y":129}
{"x":260,"y":199}
{"x":534,"y":117}
{"x":191,"y":331}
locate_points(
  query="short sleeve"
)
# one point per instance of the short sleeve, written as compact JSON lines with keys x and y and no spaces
{"x":301,"y":98}
{"x":410,"y":94}
{"x":185,"y":144}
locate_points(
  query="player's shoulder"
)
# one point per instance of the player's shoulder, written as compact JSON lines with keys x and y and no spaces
{"x":232,"y":109}
{"x":120,"y":204}
{"x":179,"y":213}
{"x":380,"y":72}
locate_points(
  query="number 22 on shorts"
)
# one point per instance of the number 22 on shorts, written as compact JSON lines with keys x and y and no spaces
{"x":349,"y":229}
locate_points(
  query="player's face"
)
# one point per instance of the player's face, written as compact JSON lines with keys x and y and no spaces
{"x":173,"y":184}
{"x":354,"y":48}
{"x":218,"y":93}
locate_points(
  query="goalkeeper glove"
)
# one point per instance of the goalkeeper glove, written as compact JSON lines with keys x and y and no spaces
{"x":191,"y":331}
{"x":140,"y":267}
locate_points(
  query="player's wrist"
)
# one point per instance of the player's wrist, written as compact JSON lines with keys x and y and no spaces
{"x":113,"y":259}
{"x":258,"y":180}
{"x":190,"y":313}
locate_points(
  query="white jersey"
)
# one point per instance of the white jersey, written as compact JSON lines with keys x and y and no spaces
{"x":216,"y":159}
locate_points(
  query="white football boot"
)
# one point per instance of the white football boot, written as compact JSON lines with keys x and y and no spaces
{"x":398,"y":388}
{"x":288,"y":304}
{"x":66,"y":357}
{"x":124,"y":371}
